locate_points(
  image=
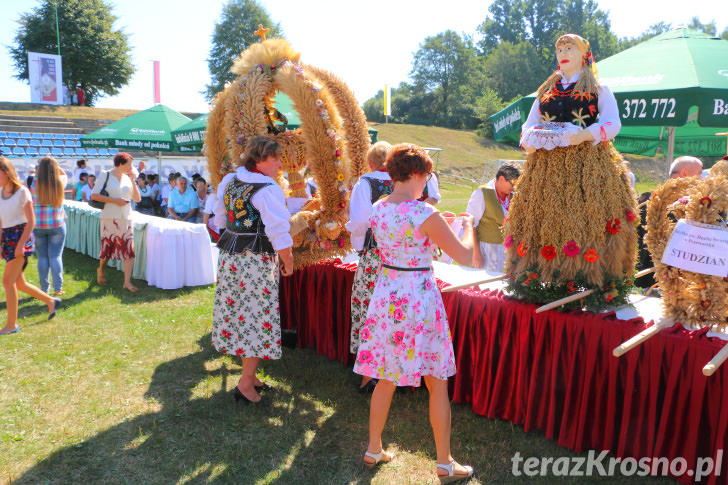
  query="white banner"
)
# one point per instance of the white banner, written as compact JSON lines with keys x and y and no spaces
{"x":700,"y":248}
{"x":46,"y":78}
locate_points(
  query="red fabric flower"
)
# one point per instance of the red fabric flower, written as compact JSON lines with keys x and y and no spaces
{"x":591,"y":256}
{"x":571,"y":249}
{"x":613,"y":226}
{"x":706,"y":201}
{"x":548,"y":253}
{"x":705,"y":303}
{"x":508,"y":242}
{"x":231,"y":216}
{"x":630,"y":215}
{"x":522,"y":249}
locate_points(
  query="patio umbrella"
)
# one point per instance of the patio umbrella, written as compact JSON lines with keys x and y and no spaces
{"x":191,"y":134}
{"x":668,"y":81}
{"x":150,"y":129}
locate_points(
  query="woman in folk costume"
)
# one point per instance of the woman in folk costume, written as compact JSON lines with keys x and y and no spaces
{"x":369,"y":189}
{"x":571,"y":220}
{"x":252,"y":208}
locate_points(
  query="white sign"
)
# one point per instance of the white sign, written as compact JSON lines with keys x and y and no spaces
{"x":46,"y":78}
{"x":696,"y":247}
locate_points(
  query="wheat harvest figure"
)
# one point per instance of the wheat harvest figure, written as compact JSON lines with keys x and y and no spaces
{"x":572,"y":219}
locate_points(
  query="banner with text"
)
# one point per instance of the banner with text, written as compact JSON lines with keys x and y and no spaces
{"x":46,"y":78}
{"x":700,"y":248}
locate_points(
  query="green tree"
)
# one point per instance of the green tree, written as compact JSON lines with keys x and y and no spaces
{"x":233,"y":34}
{"x":94,"y":54}
{"x":443,"y":64}
{"x":515,"y":70}
{"x":724,"y":35}
{"x":652,"y":31}
{"x":504,"y":24}
{"x":583,"y":17}
{"x":709,"y":28}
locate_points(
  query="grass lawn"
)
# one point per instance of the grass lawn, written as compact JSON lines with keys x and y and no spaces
{"x":127,"y":388}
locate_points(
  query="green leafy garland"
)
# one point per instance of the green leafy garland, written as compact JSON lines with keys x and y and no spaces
{"x":529,"y":287}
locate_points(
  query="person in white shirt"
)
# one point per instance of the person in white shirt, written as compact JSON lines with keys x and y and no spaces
{"x":369,"y":188}
{"x":80,"y":168}
{"x":628,"y":168}
{"x":88,"y":188}
{"x":166,"y":190}
{"x":489,"y":207}
{"x":17,"y":220}
{"x":255,"y":246}
{"x":208,"y":216}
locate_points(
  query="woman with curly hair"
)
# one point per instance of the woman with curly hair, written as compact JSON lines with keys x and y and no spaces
{"x":405,"y":336}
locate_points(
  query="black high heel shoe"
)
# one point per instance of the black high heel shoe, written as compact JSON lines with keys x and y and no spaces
{"x":56,"y":305}
{"x":239,"y":396}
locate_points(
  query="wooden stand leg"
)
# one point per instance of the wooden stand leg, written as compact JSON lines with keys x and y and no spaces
{"x":716,"y":361}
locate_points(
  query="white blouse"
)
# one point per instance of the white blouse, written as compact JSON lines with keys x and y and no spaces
{"x":12,"y":209}
{"x":608,"y":113}
{"x":360,"y":208}
{"x":270,"y":201}
{"x":117,"y":189}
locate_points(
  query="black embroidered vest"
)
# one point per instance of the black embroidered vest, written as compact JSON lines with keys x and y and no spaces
{"x":378,"y":189}
{"x":564,"y":105}
{"x":245,"y":228}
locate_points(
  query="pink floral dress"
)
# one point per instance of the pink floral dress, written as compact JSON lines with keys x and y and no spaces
{"x":405,"y":335}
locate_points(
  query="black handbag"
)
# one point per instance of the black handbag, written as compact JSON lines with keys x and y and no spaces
{"x":98,"y":204}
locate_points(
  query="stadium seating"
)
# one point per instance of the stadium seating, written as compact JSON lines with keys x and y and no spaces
{"x":12,"y":134}
{"x":10,"y":142}
{"x":23,"y":143}
{"x":58,"y":144}
{"x":44,"y":151}
{"x":31,"y":151}
{"x":69,"y":144}
{"x":92,"y":152}
{"x":73,"y":137}
{"x":35,"y":143}
{"x":57,"y":152}
{"x":25,"y":136}
{"x":103,"y":152}
{"x":80,"y":152}
{"x":6,"y":151}
{"x":113,"y":151}
{"x":68,"y":152}
{"x":59,"y":136}
{"x":47,"y":143}
{"x":37,"y":136}
{"x":3,"y":134}
{"x":47,"y":136}
{"x":18,"y":152}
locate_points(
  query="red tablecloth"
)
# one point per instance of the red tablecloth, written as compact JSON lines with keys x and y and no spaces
{"x":551,"y":371}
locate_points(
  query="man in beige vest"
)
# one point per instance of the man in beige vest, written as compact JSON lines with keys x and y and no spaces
{"x":489,"y":207}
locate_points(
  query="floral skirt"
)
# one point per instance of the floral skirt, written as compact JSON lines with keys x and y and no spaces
{"x":11,"y":235}
{"x":406,"y":334}
{"x":365,"y":279}
{"x":246,"y":317}
{"x":117,"y":239}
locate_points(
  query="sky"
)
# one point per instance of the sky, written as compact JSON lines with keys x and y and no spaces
{"x":367,"y":44}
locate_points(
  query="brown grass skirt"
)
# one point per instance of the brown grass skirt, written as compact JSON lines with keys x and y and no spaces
{"x":571,"y":194}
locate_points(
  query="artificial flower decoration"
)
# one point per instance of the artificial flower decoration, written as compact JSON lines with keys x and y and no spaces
{"x":706,"y":201}
{"x":591,"y":256}
{"x":548,"y":253}
{"x":705,"y":303}
{"x":522,"y":250}
{"x":613,"y":226}
{"x":508,"y":242}
{"x":340,"y":177}
{"x":571,"y":249}
{"x":630,"y":215}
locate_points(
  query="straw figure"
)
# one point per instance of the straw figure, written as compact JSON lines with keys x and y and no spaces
{"x":695,"y":300}
{"x":572,"y":221}
{"x":332,"y":141}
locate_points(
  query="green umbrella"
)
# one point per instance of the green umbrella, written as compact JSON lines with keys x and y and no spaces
{"x":150,"y":129}
{"x":191,"y":134}
{"x":667,"y":81}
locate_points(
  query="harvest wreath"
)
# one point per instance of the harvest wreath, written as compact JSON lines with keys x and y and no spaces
{"x":332,"y":141}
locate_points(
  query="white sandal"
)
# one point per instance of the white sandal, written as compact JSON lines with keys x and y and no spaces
{"x":451,"y":477}
{"x":378,"y":458}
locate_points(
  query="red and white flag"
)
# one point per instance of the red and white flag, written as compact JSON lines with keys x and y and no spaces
{"x":157,"y":90}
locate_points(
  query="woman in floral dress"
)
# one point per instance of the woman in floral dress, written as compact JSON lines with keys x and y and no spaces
{"x":369,"y":189}
{"x":252,"y":208}
{"x":406,"y":336}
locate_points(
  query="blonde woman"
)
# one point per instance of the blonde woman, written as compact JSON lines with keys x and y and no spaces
{"x":16,"y":240}
{"x":50,"y":219}
{"x":369,"y":189}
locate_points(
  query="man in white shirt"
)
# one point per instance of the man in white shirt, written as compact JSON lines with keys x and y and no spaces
{"x":489,"y":206}
{"x":686,"y":166}
{"x":88,"y":188}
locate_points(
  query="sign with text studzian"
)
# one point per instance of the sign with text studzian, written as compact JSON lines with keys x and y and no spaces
{"x":696,"y":247}
{"x":46,"y":78}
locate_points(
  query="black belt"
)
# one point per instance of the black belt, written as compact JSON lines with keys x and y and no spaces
{"x":429,"y":268}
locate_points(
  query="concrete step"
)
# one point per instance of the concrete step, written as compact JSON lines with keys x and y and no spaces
{"x":33,"y":118}
{"x":33,"y":124}
{"x":40,"y":129}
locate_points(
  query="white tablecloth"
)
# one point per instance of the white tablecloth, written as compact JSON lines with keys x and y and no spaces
{"x":177,"y":253}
